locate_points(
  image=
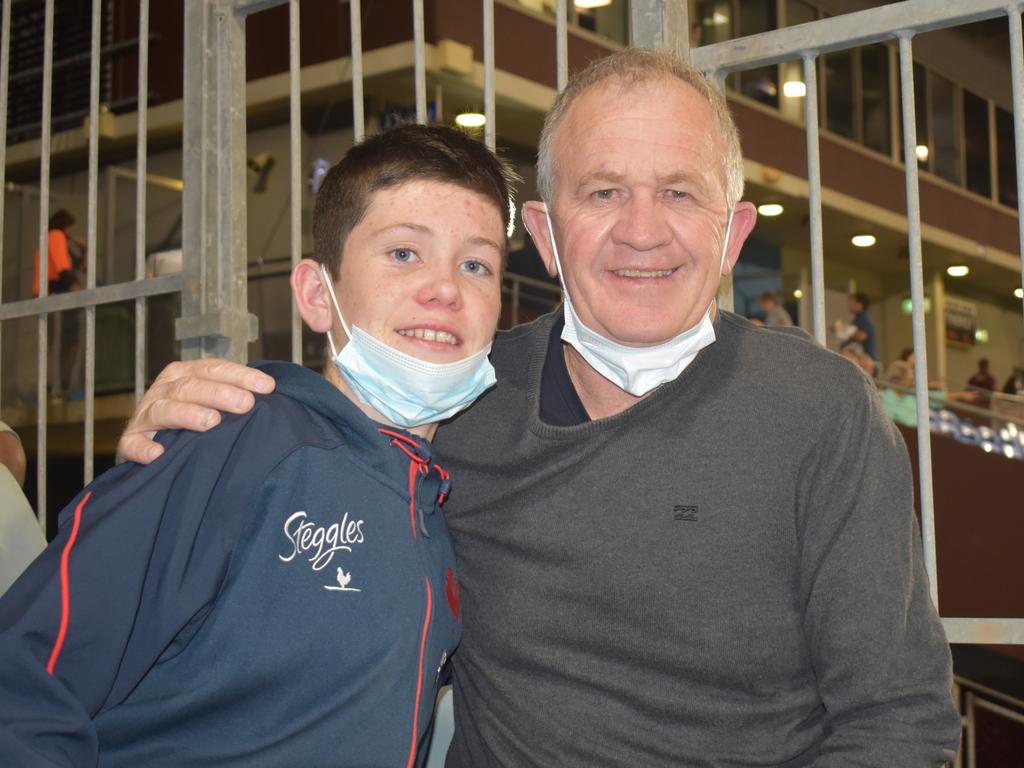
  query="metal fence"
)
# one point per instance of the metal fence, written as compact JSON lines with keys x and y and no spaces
{"x":215,"y":319}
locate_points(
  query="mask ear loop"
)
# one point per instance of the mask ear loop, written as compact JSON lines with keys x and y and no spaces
{"x":334,"y":300}
{"x":725,"y":242}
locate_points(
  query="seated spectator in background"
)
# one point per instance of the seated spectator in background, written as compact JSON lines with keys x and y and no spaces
{"x":21,"y":538}
{"x":774,"y":313}
{"x":854,"y":352}
{"x":982,"y":379}
{"x":901,"y":372}
{"x":1015,"y":384}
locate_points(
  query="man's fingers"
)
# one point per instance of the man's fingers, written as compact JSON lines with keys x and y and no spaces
{"x":206,"y":394}
{"x":138,"y":447}
{"x":225,"y":372}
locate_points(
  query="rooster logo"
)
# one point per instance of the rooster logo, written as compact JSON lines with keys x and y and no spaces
{"x":343,"y":583}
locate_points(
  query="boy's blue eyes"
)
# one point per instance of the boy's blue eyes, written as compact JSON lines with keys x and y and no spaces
{"x":472,"y":266}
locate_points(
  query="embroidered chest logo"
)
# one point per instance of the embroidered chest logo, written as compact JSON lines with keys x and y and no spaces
{"x":319,"y":544}
{"x":686,"y":513}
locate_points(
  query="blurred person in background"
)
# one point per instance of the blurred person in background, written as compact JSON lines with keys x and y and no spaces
{"x":21,"y":538}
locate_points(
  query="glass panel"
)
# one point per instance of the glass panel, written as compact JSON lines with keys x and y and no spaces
{"x":714,"y":20}
{"x":799,"y":12}
{"x":611,"y":21}
{"x":761,"y":84}
{"x":976,"y":144}
{"x":945,"y":128}
{"x":1006,"y":158}
{"x":874,"y":67}
{"x":839,"y":94}
{"x":921,"y":118}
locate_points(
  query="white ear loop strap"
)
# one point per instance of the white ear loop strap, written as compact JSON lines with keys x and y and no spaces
{"x":334,"y":300}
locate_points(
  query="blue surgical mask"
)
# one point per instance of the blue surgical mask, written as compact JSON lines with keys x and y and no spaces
{"x":405,"y":390}
{"x":636,"y":370}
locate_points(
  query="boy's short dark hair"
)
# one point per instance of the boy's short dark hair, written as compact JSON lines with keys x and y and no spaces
{"x":860,"y":298}
{"x":402,"y":154}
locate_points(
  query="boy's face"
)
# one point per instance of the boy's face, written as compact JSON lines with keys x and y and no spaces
{"x":421,"y":271}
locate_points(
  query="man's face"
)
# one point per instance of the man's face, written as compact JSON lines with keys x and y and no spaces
{"x":639,"y":210}
{"x":421,"y":271}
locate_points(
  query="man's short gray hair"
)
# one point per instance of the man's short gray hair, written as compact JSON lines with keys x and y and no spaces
{"x":631,"y":67}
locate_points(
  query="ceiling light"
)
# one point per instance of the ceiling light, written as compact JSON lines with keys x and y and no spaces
{"x":592,"y":3}
{"x":470,"y":120}
{"x":770,"y":209}
{"x":922,"y":152}
{"x":863,"y":241}
{"x":715,"y":20}
{"x":794,"y":89}
{"x":981,"y":335}
{"x":957,"y":270}
{"x":798,"y":294}
{"x":1019,"y":293}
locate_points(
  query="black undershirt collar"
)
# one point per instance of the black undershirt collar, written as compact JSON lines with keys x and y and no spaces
{"x":560,"y":405}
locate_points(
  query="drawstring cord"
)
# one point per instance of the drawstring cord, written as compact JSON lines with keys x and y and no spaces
{"x":418,"y":465}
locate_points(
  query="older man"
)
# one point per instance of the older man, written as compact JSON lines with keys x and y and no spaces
{"x":683,"y":540}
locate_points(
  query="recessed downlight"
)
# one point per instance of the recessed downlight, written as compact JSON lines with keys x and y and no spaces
{"x":958,"y":270}
{"x":470,"y":120}
{"x":770,"y":209}
{"x":863,"y":241}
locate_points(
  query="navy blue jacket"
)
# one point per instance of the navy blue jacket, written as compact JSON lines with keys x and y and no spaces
{"x":276,"y":592}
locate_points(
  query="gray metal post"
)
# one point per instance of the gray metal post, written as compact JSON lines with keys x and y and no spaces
{"x":489,"y":127}
{"x":214,"y":304}
{"x":1017,"y":74}
{"x":420,"y":65}
{"x":814,"y":197}
{"x":5,"y":50}
{"x":356,"y":34}
{"x":295,"y":128}
{"x":561,"y":45}
{"x":140,"y":196}
{"x":90,"y":248}
{"x":660,"y":24}
{"x":924,"y":444}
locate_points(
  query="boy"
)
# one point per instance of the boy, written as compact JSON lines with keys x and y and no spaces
{"x":281,"y":590}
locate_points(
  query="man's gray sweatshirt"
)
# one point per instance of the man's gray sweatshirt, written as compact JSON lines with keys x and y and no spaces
{"x":728,"y":573}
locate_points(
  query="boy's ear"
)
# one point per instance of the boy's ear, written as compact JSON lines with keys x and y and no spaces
{"x":311,"y":297}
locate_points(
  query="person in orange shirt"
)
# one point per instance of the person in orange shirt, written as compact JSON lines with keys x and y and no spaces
{"x":61,"y":274}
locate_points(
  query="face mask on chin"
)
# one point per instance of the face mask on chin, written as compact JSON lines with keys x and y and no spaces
{"x":637,"y":370}
{"x":406,"y":391}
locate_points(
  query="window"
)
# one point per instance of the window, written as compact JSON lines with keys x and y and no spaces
{"x":839,"y":90}
{"x":976,"y":145}
{"x":715,"y":20}
{"x":924,"y":159}
{"x":1006,"y":158}
{"x":874,"y":68}
{"x":945,"y":128}
{"x":798,"y":12}
{"x":760,"y":84}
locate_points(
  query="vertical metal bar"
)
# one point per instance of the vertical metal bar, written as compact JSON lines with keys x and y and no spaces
{"x":1017,"y":79}
{"x":356,"y":35}
{"x":514,"y":321}
{"x":561,"y":44}
{"x":924,"y":445}
{"x":140,"y":196}
{"x":814,"y":197}
{"x":419,"y":53}
{"x":972,"y":736}
{"x":489,"y":127}
{"x":90,"y":248}
{"x":5,"y":50}
{"x":44,"y":215}
{"x":294,"y":101}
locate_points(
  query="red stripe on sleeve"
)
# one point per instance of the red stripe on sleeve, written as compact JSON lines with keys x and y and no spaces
{"x":419,"y":681}
{"x":65,"y":596}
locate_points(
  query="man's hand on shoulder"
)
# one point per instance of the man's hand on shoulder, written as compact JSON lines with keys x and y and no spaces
{"x":189,"y":395}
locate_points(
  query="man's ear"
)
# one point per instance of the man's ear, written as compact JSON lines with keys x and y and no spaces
{"x":536,"y":221}
{"x":744,"y":216}
{"x":311,"y":297}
